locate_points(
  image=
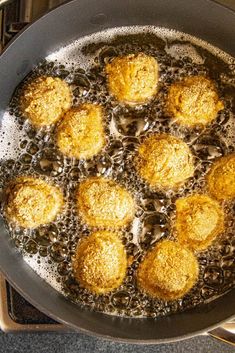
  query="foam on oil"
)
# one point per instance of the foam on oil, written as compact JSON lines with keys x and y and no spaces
{"x":10,"y":135}
{"x":72,"y":52}
{"x":24,"y":150}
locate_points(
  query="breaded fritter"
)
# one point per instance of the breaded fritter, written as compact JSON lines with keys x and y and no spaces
{"x":45,"y":100}
{"x":168,"y":271}
{"x":193,"y":101}
{"x":221,"y":178}
{"x":80,"y":133}
{"x":133,"y":78}
{"x":101,"y":262}
{"x":31,"y":202}
{"x":164,"y":161}
{"x":199,"y":220}
{"x":104,"y":203}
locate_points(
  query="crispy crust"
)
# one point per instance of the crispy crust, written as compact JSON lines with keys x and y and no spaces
{"x":32,"y":202}
{"x":104,"y":203}
{"x":199,"y":220}
{"x":133,"y":79}
{"x":168,"y":271}
{"x":164,"y":161}
{"x":193,"y":101}
{"x":80,"y":133}
{"x":45,"y":100}
{"x":221,"y":178}
{"x":101,"y":262}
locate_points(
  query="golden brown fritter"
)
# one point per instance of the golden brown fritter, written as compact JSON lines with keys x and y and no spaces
{"x":104,"y":203}
{"x":133,"y":79}
{"x":80,"y":133}
{"x":199,"y":219}
{"x":193,"y":101}
{"x":101,"y":262}
{"x":168,"y":271}
{"x":164,"y":161}
{"x":221,"y":178}
{"x":45,"y":100}
{"x":32,"y":202}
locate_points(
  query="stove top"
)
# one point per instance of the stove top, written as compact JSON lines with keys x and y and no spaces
{"x":16,"y":314}
{"x":15,"y":14}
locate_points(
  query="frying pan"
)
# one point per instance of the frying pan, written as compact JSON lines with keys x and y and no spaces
{"x":202,"y":18}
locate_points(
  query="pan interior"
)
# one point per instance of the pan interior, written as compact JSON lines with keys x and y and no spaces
{"x":26,"y":151}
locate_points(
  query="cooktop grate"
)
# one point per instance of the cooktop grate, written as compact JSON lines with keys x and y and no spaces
{"x":17,"y":314}
{"x":22,"y":312}
{"x":15,"y":14}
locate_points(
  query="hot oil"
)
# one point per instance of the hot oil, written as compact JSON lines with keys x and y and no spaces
{"x":49,"y":249}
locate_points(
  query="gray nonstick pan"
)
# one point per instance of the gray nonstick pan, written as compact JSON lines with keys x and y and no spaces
{"x":202,"y":18}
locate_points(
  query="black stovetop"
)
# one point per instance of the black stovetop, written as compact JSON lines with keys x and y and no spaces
{"x":22,"y":312}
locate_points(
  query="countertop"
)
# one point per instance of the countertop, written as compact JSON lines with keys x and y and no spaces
{"x":72,"y":342}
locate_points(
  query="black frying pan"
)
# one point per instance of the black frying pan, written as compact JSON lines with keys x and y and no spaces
{"x":202,"y":18}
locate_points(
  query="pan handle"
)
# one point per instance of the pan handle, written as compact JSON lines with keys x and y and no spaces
{"x":224,"y":334}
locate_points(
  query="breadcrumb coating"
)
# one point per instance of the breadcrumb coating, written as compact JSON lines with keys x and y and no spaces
{"x":45,"y":100}
{"x":104,"y":203}
{"x":199,"y":220}
{"x":221,"y":178}
{"x":168,"y":271}
{"x":164,"y":161}
{"x":32,"y":202}
{"x":80,"y":133}
{"x":133,"y":78}
{"x":193,"y":101}
{"x":101,"y":262}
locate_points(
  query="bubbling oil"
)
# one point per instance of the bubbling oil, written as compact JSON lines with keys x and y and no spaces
{"x":49,"y":249}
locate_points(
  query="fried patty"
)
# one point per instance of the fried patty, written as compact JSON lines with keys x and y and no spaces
{"x":104,"y":203}
{"x":133,"y":78}
{"x":80,"y":133}
{"x":221,"y":178}
{"x":193,"y":101}
{"x":101,"y":262}
{"x":45,"y":100}
{"x":32,"y":202}
{"x":164,"y":161}
{"x":199,"y":220}
{"x":168,"y":271}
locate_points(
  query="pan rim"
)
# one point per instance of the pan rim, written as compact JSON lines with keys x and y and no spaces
{"x":92,"y":333}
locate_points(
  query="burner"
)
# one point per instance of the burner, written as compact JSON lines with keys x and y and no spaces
{"x":16,"y":314}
